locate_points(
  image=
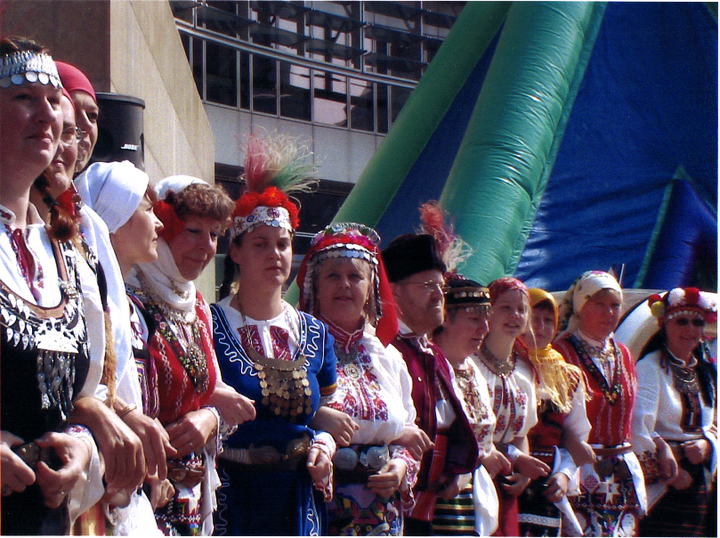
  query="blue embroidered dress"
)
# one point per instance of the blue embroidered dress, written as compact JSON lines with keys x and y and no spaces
{"x":266,"y":489}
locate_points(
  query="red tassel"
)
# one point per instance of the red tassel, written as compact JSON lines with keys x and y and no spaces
{"x":387,"y":325}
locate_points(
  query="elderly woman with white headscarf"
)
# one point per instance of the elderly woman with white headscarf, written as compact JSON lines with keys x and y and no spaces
{"x":612,"y":491}
{"x":182,"y":382}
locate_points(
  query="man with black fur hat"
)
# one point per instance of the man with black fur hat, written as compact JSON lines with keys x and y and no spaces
{"x":415,"y":271}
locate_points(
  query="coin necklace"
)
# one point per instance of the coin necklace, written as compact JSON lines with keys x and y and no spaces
{"x":502,"y":368}
{"x":284,"y":385}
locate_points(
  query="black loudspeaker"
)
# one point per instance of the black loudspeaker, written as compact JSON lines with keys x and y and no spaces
{"x":120,"y":130}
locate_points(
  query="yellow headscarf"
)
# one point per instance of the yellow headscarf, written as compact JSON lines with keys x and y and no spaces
{"x":556,"y":377}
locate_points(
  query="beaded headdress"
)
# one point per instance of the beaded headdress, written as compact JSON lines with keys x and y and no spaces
{"x":17,"y":68}
{"x":350,"y":240}
{"x":463,"y":293}
{"x":275,"y":166}
{"x":683,"y":300}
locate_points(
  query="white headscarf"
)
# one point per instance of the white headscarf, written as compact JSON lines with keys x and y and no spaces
{"x":175,"y":184}
{"x":580,"y":292}
{"x":162,"y":276}
{"x":113,"y":190}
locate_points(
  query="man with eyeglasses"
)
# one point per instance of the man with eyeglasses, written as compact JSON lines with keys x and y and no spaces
{"x":415,"y":271}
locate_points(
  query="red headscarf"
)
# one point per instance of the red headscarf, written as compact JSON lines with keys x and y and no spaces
{"x":75,"y":80}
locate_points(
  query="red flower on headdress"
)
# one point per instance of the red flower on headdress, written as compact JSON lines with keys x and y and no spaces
{"x":270,"y":197}
{"x":172,"y":224}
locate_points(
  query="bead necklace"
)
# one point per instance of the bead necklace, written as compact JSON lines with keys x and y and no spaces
{"x":502,"y":368}
{"x":170,"y":322}
{"x":167,"y":310}
{"x":606,"y":353}
{"x":611,"y":395}
{"x":283,"y":383}
{"x":684,"y":375}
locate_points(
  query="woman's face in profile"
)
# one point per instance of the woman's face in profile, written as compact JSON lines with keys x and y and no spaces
{"x":62,"y":168}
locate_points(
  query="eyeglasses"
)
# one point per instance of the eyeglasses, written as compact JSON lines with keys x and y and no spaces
{"x":684,"y":322}
{"x":71,"y":135}
{"x":428,"y":286}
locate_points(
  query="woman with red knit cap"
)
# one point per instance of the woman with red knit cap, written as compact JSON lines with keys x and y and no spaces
{"x":86,"y":110}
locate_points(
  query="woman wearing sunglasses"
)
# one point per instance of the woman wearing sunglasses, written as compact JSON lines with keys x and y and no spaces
{"x":673,"y":433}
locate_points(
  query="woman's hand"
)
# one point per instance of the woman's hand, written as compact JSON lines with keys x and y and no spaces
{"x":320,"y":468}
{"x":666,"y":460}
{"x":580,"y":451}
{"x":192,"y":432}
{"x":516,"y":484}
{"x":415,"y":440}
{"x":496,"y":464}
{"x":531,"y":467}
{"x":75,"y":455}
{"x":336,"y":423}
{"x":697,"y":451}
{"x":16,"y":475}
{"x":233,"y":407}
{"x":161,"y":491}
{"x":121,"y":449}
{"x":388,"y":479}
{"x":556,"y":487}
{"x":155,"y":441}
{"x":454,"y":486}
{"x":682,"y":481}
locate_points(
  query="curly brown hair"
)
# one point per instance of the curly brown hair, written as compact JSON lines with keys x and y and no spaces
{"x":202,"y":200}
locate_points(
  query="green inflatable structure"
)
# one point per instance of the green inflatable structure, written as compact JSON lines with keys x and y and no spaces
{"x":501,"y":169}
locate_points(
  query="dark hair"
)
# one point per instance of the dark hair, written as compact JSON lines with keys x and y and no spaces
{"x":202,"y":200}
{"x":11,"y":44}
{"x":545,"y":304}
{"x":230,"y":270}
{"x":706,"y":369}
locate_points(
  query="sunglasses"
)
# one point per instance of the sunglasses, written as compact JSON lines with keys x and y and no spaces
{"x":683,"y":322}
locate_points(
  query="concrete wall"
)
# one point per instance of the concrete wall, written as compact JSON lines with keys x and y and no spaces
{"x":130,"y":47}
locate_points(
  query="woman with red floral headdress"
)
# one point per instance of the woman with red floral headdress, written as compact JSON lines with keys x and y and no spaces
{"x":182,"y":383}
{"x":280,"y":358}
{"x":673,"y":433}
{"x":344,"y":284}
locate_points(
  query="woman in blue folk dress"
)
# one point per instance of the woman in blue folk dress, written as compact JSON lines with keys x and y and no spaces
{"x":281,"y":358}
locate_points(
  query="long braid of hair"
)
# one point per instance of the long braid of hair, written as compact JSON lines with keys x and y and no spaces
{"x":109,"y":373}
{"x":707,"y":375}
{"x":63,"y":226}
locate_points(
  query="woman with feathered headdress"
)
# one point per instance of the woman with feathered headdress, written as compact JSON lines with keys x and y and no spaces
{"x":281,"y":358}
